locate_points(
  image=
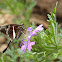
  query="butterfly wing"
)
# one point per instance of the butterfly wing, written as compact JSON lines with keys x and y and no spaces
{"x":15,"y":31}
{"x":10,"y":32}
{"x":19,"y":32}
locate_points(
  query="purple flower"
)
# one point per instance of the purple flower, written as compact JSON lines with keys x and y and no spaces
{"x":28,"y":38}
{"x":39,"y":28}
{"x":21,"y":43}
{"x":24,"y":46}
{"x":28,"y":44}
{"x":29,"y":28}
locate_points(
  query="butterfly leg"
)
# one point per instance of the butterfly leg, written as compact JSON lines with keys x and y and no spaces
{"x":6,"y":47}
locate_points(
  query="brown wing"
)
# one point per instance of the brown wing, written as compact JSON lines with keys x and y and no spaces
{"x":19,"y":31}
{"x":8,"y":30}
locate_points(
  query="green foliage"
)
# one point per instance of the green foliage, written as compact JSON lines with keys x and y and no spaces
{"x":48,"y":41}
{"x":20,"y":7}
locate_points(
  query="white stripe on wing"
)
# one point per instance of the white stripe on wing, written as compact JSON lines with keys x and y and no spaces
{"x":14,"y":34}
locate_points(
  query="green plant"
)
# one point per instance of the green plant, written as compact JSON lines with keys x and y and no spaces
{"x":48,"y":42}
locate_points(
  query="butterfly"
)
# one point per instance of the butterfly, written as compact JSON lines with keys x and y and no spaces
{"x":13,"y":31}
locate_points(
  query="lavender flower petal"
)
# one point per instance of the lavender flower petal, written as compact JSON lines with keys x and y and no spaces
{"x":30,"y":45}
{"x":39,"y":28}
{"x":28,"y":38}
{"x":21,"y":44}
{"x":29,"y":28}
{"x":24,"y":46}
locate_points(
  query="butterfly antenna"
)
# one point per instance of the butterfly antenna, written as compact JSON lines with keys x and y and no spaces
{"x":7,"y":46}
